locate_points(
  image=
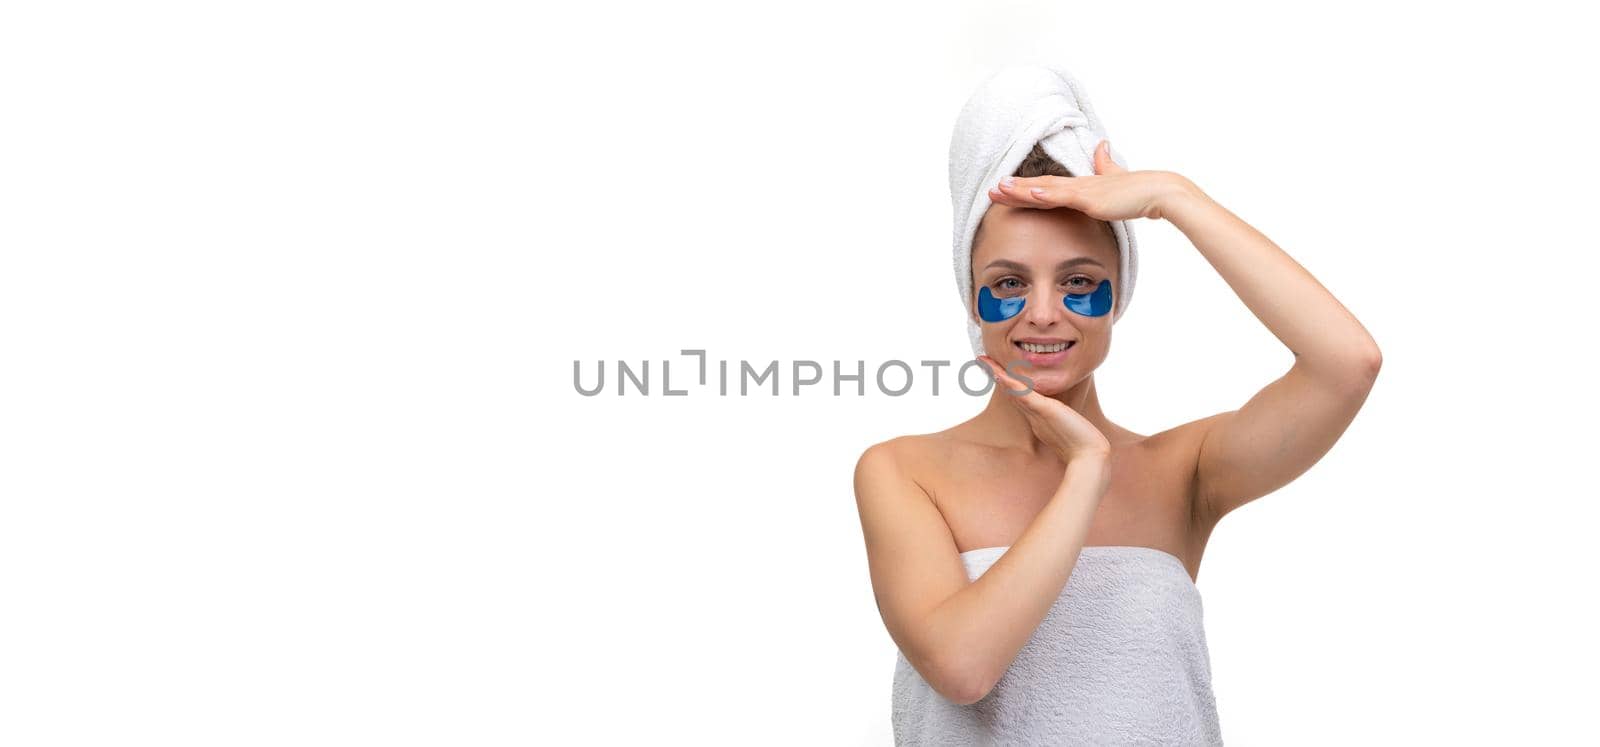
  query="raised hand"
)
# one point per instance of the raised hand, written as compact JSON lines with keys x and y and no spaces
{"x":1111,"y":193}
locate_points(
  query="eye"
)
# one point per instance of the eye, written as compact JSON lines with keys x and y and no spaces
{"x":1088,"y":283}
{"x":1008,"y":284}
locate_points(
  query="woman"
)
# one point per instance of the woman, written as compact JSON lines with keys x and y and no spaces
{"x":1036,"y":564}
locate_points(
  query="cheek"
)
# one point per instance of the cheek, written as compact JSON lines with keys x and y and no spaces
{"x":1097,"y":303}
{"x":992,"y":309}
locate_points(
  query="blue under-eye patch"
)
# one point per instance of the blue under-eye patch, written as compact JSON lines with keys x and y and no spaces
{"x":991,"y":309}
{"x":1097,"y":303}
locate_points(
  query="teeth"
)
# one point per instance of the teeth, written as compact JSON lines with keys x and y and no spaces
{"x":1034,"y":348}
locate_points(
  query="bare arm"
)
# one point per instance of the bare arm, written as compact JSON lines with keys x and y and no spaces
{"x":1292,"y":422}
{"x":962,"y":635}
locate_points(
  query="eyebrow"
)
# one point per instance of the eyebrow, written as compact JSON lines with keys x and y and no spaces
{"x":1019,"y":267}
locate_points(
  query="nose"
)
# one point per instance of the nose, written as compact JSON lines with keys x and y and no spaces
{"x":1043,"y":309}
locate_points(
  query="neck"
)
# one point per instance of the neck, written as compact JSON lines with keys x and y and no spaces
{"x":1006,"y":425}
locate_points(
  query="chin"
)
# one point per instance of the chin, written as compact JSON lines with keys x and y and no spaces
{"x":1046,"y":381}
{"x":1051,"y":384}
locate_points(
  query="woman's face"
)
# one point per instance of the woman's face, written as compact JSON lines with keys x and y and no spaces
{"x":1042,"y":255}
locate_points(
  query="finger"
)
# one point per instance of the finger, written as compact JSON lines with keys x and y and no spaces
{"x":1023,"y":191}
{"x":1013,"y":387}
{"x":1055,"y":192}
{"x":999,"y":197}
{"x":1022,"y":389}
{"x":1103,"y":164}
{"x":995,"y":371}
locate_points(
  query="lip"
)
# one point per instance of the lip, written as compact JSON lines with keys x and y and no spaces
{"x":1044,"y":359}
{"x":1042,"y":340}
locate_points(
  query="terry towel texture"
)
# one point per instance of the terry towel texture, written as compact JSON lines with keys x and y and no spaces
{"x":1010,"y":112}
{"x":1120,"y":658}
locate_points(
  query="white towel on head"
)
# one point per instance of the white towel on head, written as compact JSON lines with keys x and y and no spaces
{"x":1010,"y":112}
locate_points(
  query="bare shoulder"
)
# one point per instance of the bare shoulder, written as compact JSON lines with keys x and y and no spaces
{"x":1184,"y":436}
{"x":900,"y":519}
{"x":878,"y":461}
{"x":906,"y":457}
{"x":1177,"y":450}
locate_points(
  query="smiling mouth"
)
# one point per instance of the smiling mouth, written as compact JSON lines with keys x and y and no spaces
{"x":1032,"y":347}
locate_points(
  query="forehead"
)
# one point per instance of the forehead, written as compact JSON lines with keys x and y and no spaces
{"x":1041,"y":238}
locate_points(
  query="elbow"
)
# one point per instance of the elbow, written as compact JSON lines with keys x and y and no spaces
{"x":1354,"y":372}
{"x":971,"y":693}
{"x":1358,"y":380}
{"x":963,"y":682}
{"x":953,"y":666}
{"x":1371,"y":360}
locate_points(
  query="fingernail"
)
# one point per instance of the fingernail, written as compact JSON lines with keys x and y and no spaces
{"x":1009,"y":181}
{"x":1037,"y":191}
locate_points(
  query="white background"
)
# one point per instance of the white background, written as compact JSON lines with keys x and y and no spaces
{"x":290,"y":296}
